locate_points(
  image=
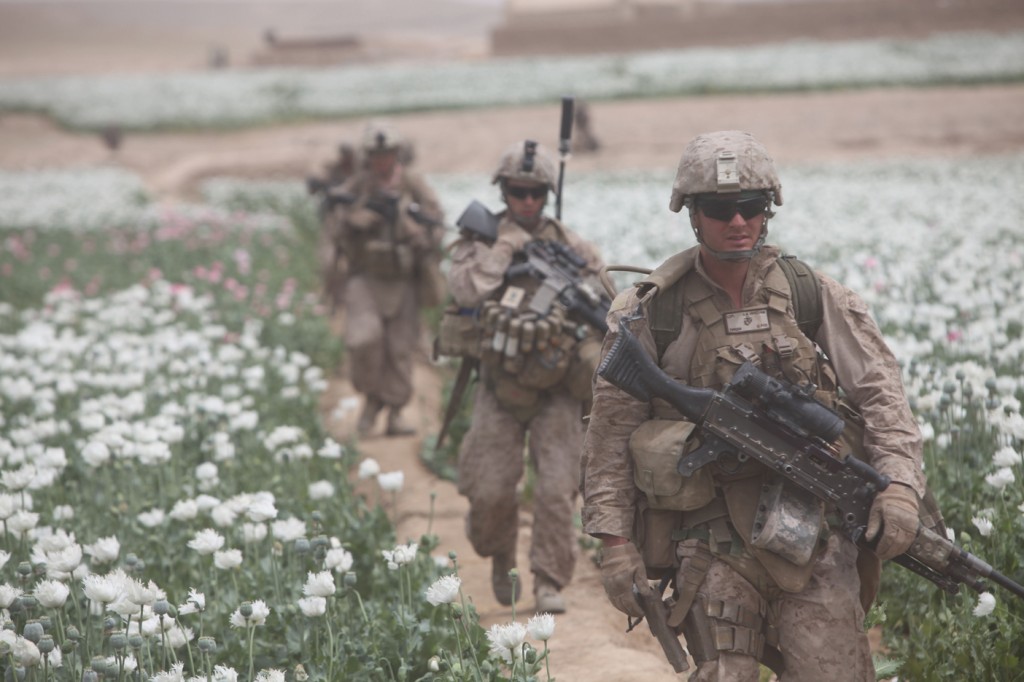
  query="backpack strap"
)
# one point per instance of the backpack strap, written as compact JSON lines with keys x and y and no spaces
{"x":666,"y":311}
{"x":805,"y":291}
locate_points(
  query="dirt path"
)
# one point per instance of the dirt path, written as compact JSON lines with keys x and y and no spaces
{"x":590,"y":643}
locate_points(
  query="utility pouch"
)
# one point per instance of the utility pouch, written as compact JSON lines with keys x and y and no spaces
{"x":544,"y":369}
{"x":388,"y":260}
{"x":459,"y":334}
{"x":431,"y":285}
{"x":787,"y":522}
{"x":653,"y":531}
{"x":742,"y":497}
{"x":580,"y":378}
{"x":657,"y":446}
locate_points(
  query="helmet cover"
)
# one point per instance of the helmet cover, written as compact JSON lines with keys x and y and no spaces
{"x":527,"y":161}
{"x":724,"y":162}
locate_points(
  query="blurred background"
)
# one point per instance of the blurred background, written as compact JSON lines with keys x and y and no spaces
{"x":81,"y":36}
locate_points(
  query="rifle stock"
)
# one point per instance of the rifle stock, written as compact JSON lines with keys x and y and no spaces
{"x":737,"y":426}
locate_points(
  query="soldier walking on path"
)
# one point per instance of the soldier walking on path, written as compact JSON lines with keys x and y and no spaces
{"x":794,"y":600}
{"x":536,"y":366}
{"x":387,"y":231}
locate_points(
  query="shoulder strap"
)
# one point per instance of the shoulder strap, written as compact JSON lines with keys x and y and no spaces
{"x":666,"y":312}
{"x":805,"y":290}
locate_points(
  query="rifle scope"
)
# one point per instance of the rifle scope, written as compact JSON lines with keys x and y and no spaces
{"x":787,"y":403}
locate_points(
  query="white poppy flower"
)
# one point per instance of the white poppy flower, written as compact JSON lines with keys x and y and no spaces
{"x":313,"y":607}
{"x":104,"y":550}
{"x":541,"y":626}
{"x":288,"y":530}
{"x":368,"y":468}
{"x":986,"y":604}
{"x":227,"y":559}
{"x":321,"y":490}
{"x":51,"y":593}
{"x":206,"y":541}
{"x":391,"y":481}
{"x":338,"y":559}
{"x":445,"y":590}
{"x":1007,"y":457}
{"x":1001,"y":478}
{"x":983,"y":524}
{"x":319,"y":584}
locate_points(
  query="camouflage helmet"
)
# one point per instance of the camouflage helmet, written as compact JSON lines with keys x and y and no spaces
{"x":527,"y":161}
{"x":721,"y":162}
{"x":380,"y":136}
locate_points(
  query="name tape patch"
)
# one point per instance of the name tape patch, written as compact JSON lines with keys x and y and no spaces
{"x":743,"y":321}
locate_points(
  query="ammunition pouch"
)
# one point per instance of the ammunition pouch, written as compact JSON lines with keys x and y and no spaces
{"x":657,"y":446}
{"x":546,"y":368}
{"x":522,"y":402}
{"x":459,"y":334}
{"x":388,"y":260}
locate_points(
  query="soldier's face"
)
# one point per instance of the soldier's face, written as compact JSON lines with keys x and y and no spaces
{"x":382,"y":163}
{"x":525,"y":200}
{"x":735,"y":233}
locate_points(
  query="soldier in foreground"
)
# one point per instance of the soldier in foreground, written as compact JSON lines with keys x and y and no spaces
{"x":795,"y":600}
{"x":387,"y":230}
{"x":535,"y":377}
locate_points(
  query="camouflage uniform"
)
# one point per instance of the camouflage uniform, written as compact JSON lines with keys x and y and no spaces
{"x":509,"y":417}
{"x":811,"y":612}
{"x":391,"y":261}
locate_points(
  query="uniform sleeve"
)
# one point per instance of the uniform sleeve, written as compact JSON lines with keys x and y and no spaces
{"x":606,"y":469}
{"x":478,"y":271}
{"x":870,"y":376}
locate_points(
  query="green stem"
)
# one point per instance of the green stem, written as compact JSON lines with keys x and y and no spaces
{"x":252,"y":639}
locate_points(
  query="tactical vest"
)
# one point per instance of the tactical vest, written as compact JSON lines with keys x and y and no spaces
{"x":767,"y":333}
{"x":523,"y":356}
{"x":380,"y":249}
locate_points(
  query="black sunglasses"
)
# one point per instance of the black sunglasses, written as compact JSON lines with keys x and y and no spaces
{"x":725,"y":209}
{"x":523,"y":192}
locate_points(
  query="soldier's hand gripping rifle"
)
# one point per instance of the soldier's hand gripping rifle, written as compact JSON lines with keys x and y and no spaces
{"x":560,"y":271}
{"x":782,"y":427}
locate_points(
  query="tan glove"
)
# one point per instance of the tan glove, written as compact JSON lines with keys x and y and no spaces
{"x":894,"y":513}
{"x":621,"y":567}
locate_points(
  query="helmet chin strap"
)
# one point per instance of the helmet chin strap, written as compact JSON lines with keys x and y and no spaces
{"x":735,"y":255}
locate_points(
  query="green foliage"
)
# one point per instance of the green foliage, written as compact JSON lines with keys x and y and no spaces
{"x":936,"y":636}
{"x":188,"y":323}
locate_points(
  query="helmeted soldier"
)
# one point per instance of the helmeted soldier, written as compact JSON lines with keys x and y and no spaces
{"x":535,"y":378}
{"x":795,"y":601}
{"x":388,"y":231}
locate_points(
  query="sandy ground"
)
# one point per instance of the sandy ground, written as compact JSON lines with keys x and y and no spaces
{"x":590,"y":643}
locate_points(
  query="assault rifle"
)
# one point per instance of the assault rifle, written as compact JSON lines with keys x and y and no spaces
{"x":782,"y":427}
{"x":385,"y":206}
{"x":560,"y":272}
{"x":557,"y":266}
